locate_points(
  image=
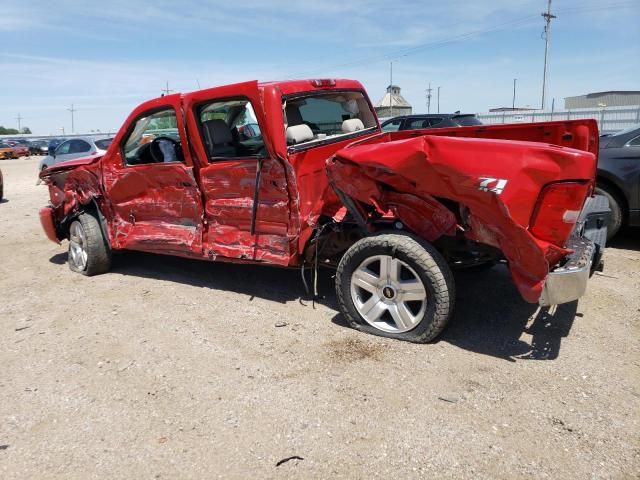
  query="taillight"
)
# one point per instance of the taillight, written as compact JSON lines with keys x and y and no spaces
{"x":557,"y":211}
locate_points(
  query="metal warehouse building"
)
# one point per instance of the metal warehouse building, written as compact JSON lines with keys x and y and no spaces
{"x":619,"y":98}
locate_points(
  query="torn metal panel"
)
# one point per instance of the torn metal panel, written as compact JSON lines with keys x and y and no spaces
{"x":498,"y":182}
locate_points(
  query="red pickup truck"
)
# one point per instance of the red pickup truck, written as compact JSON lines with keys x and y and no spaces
{"x":299,"y":174}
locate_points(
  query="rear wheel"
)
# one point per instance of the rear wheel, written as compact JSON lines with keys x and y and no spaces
{"x":617,"y":214}
{"x":395,"y":286}
{"x":89,"y":252}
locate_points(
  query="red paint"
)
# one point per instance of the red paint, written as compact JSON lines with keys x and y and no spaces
{"x":203,"y":209}
{"x":48,"y":225}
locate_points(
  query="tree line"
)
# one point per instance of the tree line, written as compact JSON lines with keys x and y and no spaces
{"x":14,"y":131}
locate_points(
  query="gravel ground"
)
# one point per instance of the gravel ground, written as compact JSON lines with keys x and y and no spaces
{"x":169,"y":368}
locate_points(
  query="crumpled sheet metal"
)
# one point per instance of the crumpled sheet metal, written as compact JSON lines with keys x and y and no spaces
{"x":429,"y":166}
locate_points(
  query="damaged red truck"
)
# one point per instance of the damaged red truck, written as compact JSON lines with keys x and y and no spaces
{"x":299,"y":174}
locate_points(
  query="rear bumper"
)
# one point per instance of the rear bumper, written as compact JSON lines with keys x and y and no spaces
{"x":568,"y":282}
{"x":48,"y":225}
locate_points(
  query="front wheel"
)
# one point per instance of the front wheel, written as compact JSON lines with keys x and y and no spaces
{"x":397,"y":286}
{"x":89,"y":252}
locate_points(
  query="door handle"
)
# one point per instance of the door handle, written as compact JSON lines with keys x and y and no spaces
{"x":186,"y":184}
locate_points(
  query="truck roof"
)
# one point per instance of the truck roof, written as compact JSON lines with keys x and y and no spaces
{"x":286,"y":87}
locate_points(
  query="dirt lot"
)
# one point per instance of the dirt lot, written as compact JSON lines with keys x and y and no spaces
{"x":168,"y":368}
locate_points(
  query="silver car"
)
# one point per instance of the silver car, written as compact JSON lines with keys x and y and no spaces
{"x":76,"y":148}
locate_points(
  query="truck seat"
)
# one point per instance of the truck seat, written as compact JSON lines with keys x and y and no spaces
{"x":218,"y":139}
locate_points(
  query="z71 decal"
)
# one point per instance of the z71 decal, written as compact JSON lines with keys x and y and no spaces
{"x":490,"y":184}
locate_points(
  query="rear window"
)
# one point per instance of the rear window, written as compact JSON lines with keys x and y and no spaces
{"x":467,"y":120}
{"x":103,"y":144}
{"x":327,"y":115}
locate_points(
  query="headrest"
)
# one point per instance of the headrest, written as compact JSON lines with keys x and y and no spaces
{"x":298,"y":134}
{"x":352,"y":125}
{"x":217,"y":131}
{"x":293,"y":115}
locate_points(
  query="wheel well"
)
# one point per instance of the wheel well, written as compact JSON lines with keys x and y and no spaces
{"x":614,"y":190}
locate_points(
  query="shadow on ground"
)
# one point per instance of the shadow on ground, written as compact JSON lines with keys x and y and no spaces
{"x":489,"y":319}
{"x":627,"y":239}
{"x":491,"y":316}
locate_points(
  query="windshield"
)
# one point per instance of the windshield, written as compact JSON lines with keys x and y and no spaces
{"x":325,"y":116}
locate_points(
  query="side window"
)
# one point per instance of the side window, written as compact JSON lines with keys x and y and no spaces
{"x":154,"y":139}
{"x":634,"y":142}
{"x":435,"y":121}
{"x":63,"y":148}
{"x":79,"y":146}
{"x":230,"y":129}
{"x":392,"y":126}
{"x":418,"y":123}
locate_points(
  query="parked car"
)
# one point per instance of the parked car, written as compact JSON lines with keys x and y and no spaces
{"x":38,"y":147}
{"x":619,"y":177}
{"x":6,"y":150}
{"x":320,"y":186}
{"x":19,"y":149}
{"x":430,"y":120}
{"x":75,"y":148}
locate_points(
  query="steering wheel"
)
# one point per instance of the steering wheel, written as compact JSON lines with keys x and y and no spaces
{"x":158,"y":153}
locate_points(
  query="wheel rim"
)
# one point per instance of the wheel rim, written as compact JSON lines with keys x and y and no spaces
{"x":388,"y":294}
{"x":78,"y":246}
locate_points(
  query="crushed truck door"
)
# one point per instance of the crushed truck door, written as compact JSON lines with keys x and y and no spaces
{"x":244,"y":186}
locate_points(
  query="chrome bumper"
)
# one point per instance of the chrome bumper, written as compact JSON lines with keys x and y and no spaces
{"x":569,"y":282}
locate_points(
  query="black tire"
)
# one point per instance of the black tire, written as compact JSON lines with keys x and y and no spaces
{"x":617,"y":213}
{"x":98,"y":252}
{"x":425,"y":261}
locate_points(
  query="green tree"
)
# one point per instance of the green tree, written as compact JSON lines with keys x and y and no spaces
{"x":7,"y":131}
{"x":25,"y":130}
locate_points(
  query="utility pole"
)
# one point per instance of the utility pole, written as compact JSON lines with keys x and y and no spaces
{"x":438,"y":99}
{"x":429,"y":98}
{"x":19,"y":118}
{"x":166,"y":90}
{"x":547,"y":37}
{"x":72,"y":110}
{"x":391,"y":89}
{"x":513,"y":103}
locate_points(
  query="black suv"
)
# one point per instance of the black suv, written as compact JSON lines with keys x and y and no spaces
{"x":430,"y":120}
{"x":619,"y":177}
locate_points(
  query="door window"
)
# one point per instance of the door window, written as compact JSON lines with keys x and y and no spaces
{"x":418,"y":123}
{"x":63,"y":149}
{"x":79,"y":146}
{"x":392,"y":126}
{"x":230,"y":129}
{"x":154,"y":139}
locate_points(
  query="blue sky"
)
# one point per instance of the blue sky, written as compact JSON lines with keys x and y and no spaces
{"x":106,"y":57}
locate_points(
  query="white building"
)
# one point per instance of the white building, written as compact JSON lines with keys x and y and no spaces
{"x":393,"y":104}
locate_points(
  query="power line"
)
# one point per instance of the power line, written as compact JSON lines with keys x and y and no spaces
{"x":437,"y":44}
{"x":72,"y":110}
{"x":458,"y":38}
{"x":166,"y":90}
{"x":547,"y":38}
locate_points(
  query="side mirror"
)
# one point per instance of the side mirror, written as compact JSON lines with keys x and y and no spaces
{"x":53,"y":154}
